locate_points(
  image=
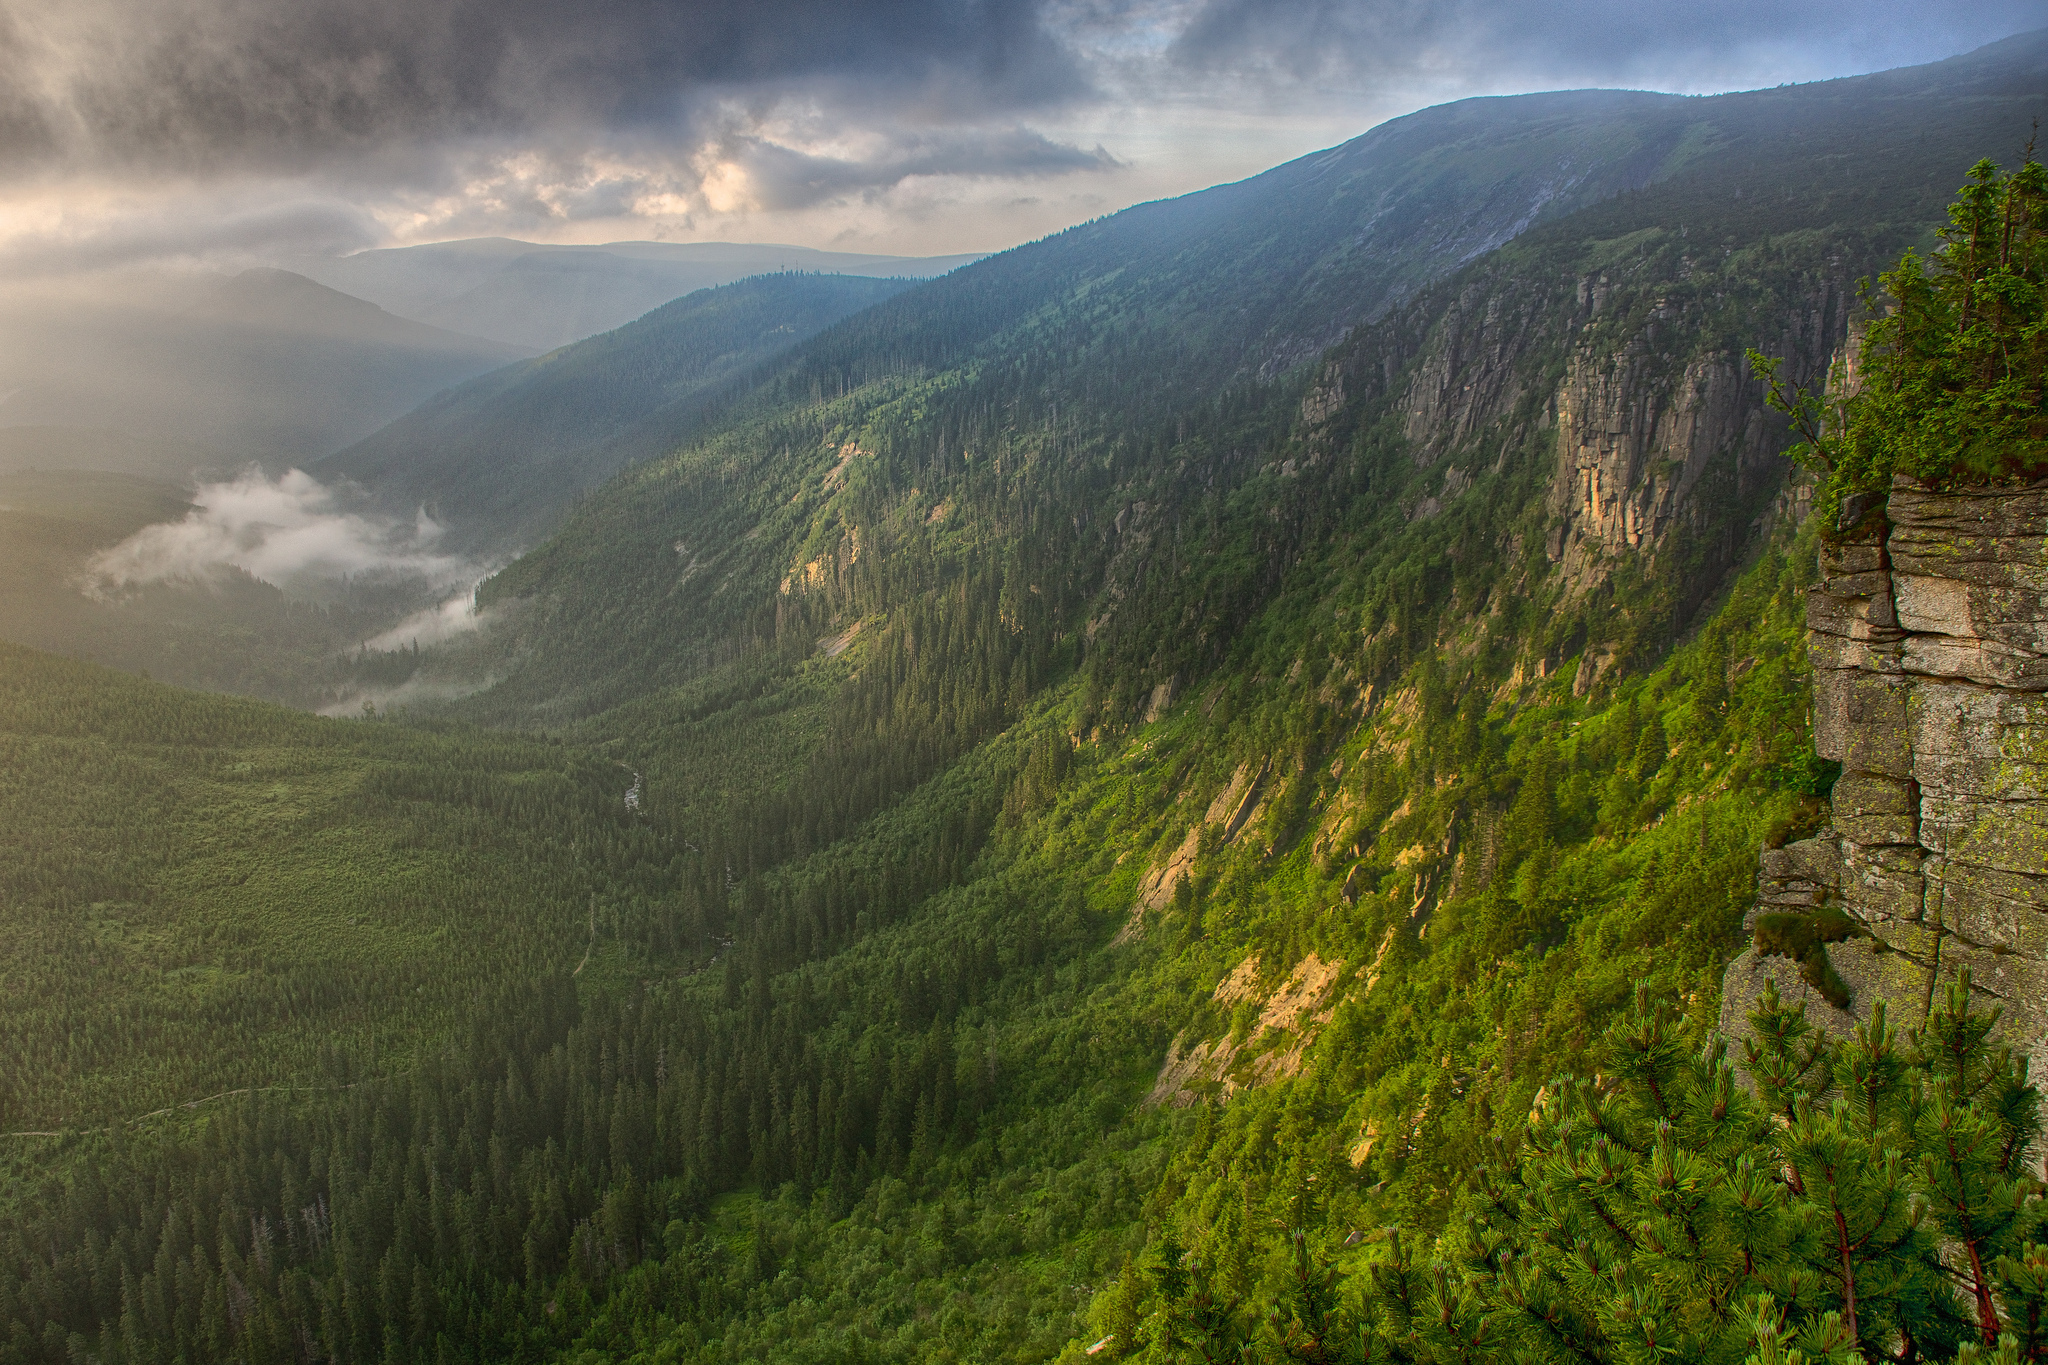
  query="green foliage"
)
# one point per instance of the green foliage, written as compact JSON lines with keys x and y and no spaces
{"x":1802,"y":937}
{"x":202,"y":894}
{"x":1657,"y":1211}
{"x":1949,"y":385}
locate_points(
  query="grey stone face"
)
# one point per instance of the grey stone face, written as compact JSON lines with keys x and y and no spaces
{"x":1929,"y":642}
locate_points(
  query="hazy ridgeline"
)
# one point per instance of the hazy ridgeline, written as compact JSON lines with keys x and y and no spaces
{"x":1105,"y":659}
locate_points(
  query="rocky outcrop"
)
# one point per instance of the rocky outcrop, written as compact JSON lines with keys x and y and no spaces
{"x":1272,"y":1047}
{"x":1233,"y":806}
{"x":1633,"y":444}
{"x":1928,"y":635}
{"x":1664,"y":450}
{"x":1625,"y":376}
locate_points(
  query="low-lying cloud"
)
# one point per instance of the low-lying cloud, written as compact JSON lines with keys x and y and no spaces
{"x":291,"y":531}
{"x":453,"y":616}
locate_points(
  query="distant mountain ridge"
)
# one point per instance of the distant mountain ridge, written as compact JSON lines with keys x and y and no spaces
{"x":213,"y":372}
{"x":1153,"y":308}
{"x":539,"y":296}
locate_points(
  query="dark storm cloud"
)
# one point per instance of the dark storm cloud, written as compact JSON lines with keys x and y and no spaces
{"x":285,"y":86}
{"x":24,"y":125}
{"x":210,"y":85}
{"x":1570,"y":41}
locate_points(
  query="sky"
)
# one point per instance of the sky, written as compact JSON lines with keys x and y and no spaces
{"x":142,"y":132}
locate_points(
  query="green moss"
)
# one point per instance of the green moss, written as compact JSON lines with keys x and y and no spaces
{"x":1804,"y":938}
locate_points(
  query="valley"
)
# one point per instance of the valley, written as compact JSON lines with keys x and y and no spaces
{"x":1070,"y":810}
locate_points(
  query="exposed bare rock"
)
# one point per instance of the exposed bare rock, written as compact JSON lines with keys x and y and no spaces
{"x":1300,"y":994}
{"x":1929,"y":639}
{"x":1161,"y":698}
{"x":1666,"y":451}
{"x":1232,"y":808}
{"x":1241,"y":984}
{"x":1274,"y":1046}
{"x":1634,"y":441}
{"x":1234,"y":805}
{"x":1156,"y":891}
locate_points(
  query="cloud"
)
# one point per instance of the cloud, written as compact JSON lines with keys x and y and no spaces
{"x":288,"y":531}
{"x":224,"y":225}
{"x":230,"y":131}
{"x":210,"y":85}
{"x":760,"y":173}
{"x":456,"y":615}
{"x":412,"y":692}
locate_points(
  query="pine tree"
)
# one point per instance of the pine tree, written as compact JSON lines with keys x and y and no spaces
{"x":1949,"y":381}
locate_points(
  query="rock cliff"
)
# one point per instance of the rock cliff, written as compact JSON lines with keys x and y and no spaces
{"x":1928,"y":634}
{"x":1620,"y":375}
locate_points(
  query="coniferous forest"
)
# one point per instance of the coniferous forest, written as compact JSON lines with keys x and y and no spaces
{"x":1117,"y":804}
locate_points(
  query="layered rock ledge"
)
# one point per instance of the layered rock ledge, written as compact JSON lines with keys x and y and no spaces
{"x":1928,"y":634}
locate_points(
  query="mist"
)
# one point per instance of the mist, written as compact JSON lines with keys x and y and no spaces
{"x":456,"y":615}
{"x":184,"y":373}
{"x":293,"y":532}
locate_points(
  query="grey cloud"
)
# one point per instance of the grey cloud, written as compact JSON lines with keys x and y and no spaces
{"x":25,"y":131}
{"x":287,"y":531}
{"x":213,"y":85}
{"x":206,"y":128}
{"x":783,"y":178}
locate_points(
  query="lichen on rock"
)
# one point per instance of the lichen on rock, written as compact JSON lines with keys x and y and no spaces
{"x":1928,"y":634}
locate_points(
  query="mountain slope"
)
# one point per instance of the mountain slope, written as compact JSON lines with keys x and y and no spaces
{"x":1071,"y":398}
{"x":1135,"y":316}
{"x":497,"y":459}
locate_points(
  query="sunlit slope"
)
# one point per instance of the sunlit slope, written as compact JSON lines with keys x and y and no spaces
{"x":199,"y":893}
{"x":901,"y":1118}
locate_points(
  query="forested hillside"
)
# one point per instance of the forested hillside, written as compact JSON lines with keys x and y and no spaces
{"x":1131,"y":784}
{"x":202,"y":892}
{"x":1139,"y":364}
{"x":500,"y":457}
